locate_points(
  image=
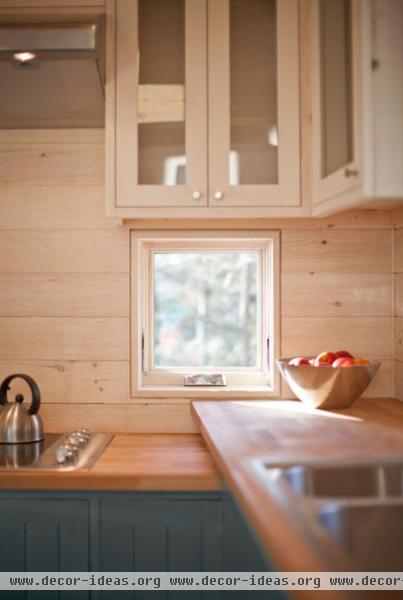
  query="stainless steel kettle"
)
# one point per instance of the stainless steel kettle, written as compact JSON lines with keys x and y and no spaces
{"x":18,"y":423}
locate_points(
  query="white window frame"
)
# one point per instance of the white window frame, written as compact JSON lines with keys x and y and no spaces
{"x":247,"y":382}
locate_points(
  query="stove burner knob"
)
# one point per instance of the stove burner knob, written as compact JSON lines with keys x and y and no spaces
{"x":86,"y":432}
{"x":65,"y":453}
{"x":77,"y":439}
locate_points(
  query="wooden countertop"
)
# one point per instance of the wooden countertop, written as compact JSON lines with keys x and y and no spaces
{"x":138,"y":462}
{"x":287,"y":431}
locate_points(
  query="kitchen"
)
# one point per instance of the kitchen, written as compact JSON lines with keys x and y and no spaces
{"x":185,"y":165}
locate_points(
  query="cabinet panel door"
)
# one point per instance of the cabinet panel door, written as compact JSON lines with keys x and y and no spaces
{"x":154,"y":534}
{"x":336,"y":100}
{"x":44,"y":535}
{"x":157,"y":103}
{"x":254,"y":155}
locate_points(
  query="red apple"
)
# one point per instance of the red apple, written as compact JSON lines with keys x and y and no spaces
{"x":325,"y":359}
{"x":343,"y":354}
{"x":339,"y":362}
{"x":348,"y":362}
{"x":298,"y":361}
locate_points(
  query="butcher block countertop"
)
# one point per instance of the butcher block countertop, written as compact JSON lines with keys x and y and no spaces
{"x":137,"y":462}
{"x":238,"y":431}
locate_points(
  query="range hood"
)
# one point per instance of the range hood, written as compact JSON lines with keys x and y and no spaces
{"x":52,"y":74}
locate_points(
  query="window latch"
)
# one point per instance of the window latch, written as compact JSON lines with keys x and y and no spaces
{"x":205,"y":379}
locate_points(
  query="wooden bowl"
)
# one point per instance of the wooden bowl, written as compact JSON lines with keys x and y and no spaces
{"x":327,"y":387}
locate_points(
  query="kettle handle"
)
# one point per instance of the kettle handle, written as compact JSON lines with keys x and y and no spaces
{"x":36,"y":395}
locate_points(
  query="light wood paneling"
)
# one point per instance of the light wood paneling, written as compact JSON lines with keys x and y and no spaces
{"x":399,"y":294}
{"x":59,"y":251}
{"x":44,"y":207}
{"x":399,"y":339}
{"x":64,"y":295}
{"x":399,"y":379}
{"x":352,"y":219}
{"x":366,"y":337}
{"x":64,"y":338}
{"x":64,"y":276}
{"x":336,"y":295}
{"x":336,"y":251}
{"x":51,"y":164}
{"x":398,"y":303}
{"x":49,"y":3}
{"x":26,"y":137}
{"x":398,"y":250}
{"x":73,"y":382}
{"x":380,"y":385}
{"x":124,"y":418}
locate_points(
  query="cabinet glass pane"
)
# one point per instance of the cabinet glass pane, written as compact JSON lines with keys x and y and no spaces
{"x":161,"y":96}
{"x":254,"y":134}
{"x":336,"y":84}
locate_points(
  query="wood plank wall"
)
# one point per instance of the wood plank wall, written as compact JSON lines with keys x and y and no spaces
{"x":398,"y":300}
{"x":64,"y":286}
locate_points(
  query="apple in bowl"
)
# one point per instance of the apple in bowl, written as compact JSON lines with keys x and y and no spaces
{"x":329,"y":380}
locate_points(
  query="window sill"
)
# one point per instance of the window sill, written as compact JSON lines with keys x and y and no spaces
{"x":185,"y":394}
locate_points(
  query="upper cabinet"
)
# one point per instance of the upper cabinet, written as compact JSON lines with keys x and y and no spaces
{"x":253,"y":108}
{"x":357,"y":103}
{"x":202,"y":100}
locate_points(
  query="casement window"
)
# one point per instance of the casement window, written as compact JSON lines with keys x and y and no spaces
{"x":204,"y":313}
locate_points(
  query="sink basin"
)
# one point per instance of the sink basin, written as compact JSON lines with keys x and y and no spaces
{"x":351,"y":510}
{"x":343,"y":481}
{"x":371,"y":533}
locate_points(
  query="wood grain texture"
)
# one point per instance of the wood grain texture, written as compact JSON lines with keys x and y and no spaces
{"x":398,"y":294}
{"x":398,"y":380}
{"x":72,"y":381}
{"x":336,"y":294}
{"x":336,"y":251}
{"x":381,"y":385}
{"x":64,"y":295}
{"x":236,"y":432}
{"x":64,"y":271}
{"x":122,"y":418}
{"x":162,"y":462}
{"x":352,"y":219}
{"x":59,"y":251}
{"x":43,"y":207}
{"x":53,"y":338}
{"x":367,"y":337}
{"x":399,"y":339}
{"x":398,"y":250}
{"x":51,"y":164}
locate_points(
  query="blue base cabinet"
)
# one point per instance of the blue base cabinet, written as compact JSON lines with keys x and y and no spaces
{"x":116,"y":531}
{"x":44,"y":533}
{"x":161,"y":532}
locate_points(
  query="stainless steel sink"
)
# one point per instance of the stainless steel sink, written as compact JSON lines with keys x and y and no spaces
{"x":342,"y":481}
{"x":371,"y":533}
{"x":351,"y":509}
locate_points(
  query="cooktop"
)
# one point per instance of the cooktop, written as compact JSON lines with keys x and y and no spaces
{"x":76,"y":451}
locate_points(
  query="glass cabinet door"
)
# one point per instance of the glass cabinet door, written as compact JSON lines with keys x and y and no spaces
{"x":253,"y":103}
{"x":335,"y":98}
{"x":161,"y":103}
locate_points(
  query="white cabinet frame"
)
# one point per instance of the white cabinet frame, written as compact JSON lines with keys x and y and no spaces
{"x":121,"y":112}
{"x":286,"y":193}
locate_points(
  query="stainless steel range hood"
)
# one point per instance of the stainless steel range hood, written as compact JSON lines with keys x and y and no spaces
{"x":52,"y":74}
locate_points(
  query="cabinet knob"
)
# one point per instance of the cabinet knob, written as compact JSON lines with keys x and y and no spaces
{"x":351,"y":172}
{"x":218,"y":195}
{"x":196,"y":195}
